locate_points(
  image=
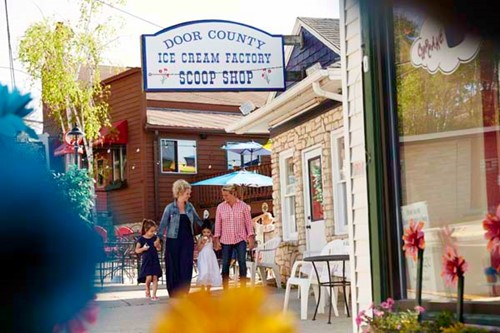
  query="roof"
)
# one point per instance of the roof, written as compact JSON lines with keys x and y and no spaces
{"x":328,"y":28}
{"x":190,"y":119}
{"x":217,"y":98}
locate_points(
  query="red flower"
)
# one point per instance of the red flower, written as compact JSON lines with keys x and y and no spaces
{"x":414,"y":239}
{"x":453,"y":266}
{"x":492,"y":226}
{"x":87,"y":315}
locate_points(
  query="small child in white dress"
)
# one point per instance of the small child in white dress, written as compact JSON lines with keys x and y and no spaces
{"x":208,"y":268}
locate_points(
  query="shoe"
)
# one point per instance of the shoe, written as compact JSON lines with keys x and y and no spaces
{"x":155,"y":298}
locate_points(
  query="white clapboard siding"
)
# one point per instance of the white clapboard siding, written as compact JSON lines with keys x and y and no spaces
{"x":357,"y":198}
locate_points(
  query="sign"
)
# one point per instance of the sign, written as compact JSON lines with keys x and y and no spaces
{"x":441,"y":48}
{"x":212,"y":55}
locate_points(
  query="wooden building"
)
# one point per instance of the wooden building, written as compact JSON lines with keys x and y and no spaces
{"x":157,"y":138}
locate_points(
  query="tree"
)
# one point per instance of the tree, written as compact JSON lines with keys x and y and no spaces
{"x":66,"y":59}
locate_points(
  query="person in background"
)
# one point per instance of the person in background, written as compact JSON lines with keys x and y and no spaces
{"x":233,"y":228}
{"x":148,"y":246}
{"x":178,"y":222}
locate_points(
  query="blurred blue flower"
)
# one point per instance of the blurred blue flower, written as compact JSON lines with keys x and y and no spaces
{"x":13,"y":108}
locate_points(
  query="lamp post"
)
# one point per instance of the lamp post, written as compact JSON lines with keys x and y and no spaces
{"x":76,"y":134}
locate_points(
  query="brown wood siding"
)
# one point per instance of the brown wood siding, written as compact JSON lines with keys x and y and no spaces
{"x":209,"y":153}
{"x":127,"y":102}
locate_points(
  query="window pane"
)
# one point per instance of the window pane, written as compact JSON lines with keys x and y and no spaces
{"x":316,"y":188}
{"x":448,"y":124}
{"x":187,"y":156}
{"x":116,"y":165}
{"x":168,"y":152}
{"x":290,"y":176}
{"x":341,"y":157}
{"x":290,"y":214}
{"x":233,"y":160}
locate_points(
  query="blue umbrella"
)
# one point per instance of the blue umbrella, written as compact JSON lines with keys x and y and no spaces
{"x":241,"y":177}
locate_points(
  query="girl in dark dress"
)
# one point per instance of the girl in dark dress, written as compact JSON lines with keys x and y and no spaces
{"x":148,"y":246}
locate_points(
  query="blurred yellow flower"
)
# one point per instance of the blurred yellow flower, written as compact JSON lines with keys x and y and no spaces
{"x":239,"y":310}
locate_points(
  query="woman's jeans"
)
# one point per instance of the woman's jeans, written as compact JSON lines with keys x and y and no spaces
{"x":227,"y":251}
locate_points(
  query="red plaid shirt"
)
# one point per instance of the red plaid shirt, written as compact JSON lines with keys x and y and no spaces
{"x":233,"y":224}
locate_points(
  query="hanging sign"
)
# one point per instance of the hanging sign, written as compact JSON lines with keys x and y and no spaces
{"x":441,"y":48}
{"x":212,"y":55}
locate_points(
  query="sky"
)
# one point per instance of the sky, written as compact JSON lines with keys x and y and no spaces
{"x":275,"y":17}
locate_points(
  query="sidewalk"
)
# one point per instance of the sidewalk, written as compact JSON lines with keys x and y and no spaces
{"x":123,"y":308}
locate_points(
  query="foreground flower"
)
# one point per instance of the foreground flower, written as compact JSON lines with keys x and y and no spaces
{"x":454,"y":266}
{"x":420,"y":309}
{"x":414,"y":239}
{"x":360,"y":318}
{"x":239,"y":310}
{"x":492,"y":226}
{"x":388,"y":304}
{"x":81,"y":321}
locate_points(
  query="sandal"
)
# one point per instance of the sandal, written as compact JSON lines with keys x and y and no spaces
{"x":155,"y":298}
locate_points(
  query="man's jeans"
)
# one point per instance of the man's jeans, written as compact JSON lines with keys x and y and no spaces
{"x":227,"y":251}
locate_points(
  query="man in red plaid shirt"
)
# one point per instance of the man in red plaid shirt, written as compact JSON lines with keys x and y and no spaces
{"x":233,"y":228}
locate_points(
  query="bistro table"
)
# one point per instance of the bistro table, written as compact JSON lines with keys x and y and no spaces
{"x":342,"y":283}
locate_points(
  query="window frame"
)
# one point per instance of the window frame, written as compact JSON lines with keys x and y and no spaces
{"x":339,"y":200}
{"x":177,"y":157}
{"x":286,"y":223}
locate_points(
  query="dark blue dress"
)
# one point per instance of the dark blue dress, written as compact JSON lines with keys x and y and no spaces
{"x":179,"y":259}
{"x":150,"y":263}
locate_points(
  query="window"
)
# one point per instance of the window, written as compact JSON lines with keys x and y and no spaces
{"x":235,"y":160}
{"x":315,"y":188}
{"x":339,"y":182}
{"x":448,"y":125}
{"x":119,"y":159}
{"x":178,"y":156}
{"x":288,"y":184}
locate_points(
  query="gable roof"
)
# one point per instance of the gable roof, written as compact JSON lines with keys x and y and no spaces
{"x":325,"y":29}
{"x":217,"y":98}
{"x":168,"y":118}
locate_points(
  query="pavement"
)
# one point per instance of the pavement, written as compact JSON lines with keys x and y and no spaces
{"x":123,"y":308}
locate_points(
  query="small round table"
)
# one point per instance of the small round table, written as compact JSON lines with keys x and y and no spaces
{"x":342,"y":283}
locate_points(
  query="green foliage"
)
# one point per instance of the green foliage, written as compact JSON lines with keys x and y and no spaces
{"x":77,"y":187}
{"x":66,"y":56}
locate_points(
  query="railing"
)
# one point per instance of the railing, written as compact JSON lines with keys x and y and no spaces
{"x":210,"y":196}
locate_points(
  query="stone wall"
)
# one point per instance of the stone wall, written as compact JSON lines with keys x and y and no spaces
{"x":316,"y":131}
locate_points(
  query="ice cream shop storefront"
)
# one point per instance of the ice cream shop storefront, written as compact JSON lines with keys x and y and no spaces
{"x":432,"y":138}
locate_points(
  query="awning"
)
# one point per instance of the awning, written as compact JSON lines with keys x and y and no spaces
{"x":64,"y":149}
{"x":116,"y":134}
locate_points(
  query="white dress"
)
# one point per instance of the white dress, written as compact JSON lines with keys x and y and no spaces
{"x":208,"y":267}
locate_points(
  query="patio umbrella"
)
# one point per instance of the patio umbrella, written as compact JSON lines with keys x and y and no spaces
{"x":241,"y":177}
{"x":251,"y":148}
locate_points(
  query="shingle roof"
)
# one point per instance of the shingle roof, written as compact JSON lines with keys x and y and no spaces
{"x":218,"y":98}
{"x":328,"y":28}
{"x":190,"y":119}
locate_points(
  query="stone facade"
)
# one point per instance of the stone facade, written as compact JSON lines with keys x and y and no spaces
{"x":314,"y":132}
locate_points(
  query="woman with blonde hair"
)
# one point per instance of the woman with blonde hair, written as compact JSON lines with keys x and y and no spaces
{"x":178,"y":220}
{"x":233,"y":228}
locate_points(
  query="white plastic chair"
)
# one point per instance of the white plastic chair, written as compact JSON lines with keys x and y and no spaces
{"x":265,"y":257}
{"x":304,"y":283}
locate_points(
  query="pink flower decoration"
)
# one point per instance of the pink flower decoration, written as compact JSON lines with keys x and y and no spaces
{"x":492,"y":226}
{"x":378,"y":313}
{"x":387,"y":304}
{"x":420,"y":309}
{"x":414,"y":239}
{"x":453,"y":266}
{"x":360,"y":317}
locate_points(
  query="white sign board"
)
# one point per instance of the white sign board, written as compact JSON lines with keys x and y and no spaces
{"x":212,"y":55}
{"x":441,"y":48}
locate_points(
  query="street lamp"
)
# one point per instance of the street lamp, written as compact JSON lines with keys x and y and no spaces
{"x":76,"y":134}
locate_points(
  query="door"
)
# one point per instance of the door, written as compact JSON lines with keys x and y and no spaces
{"x":313,"y":200}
